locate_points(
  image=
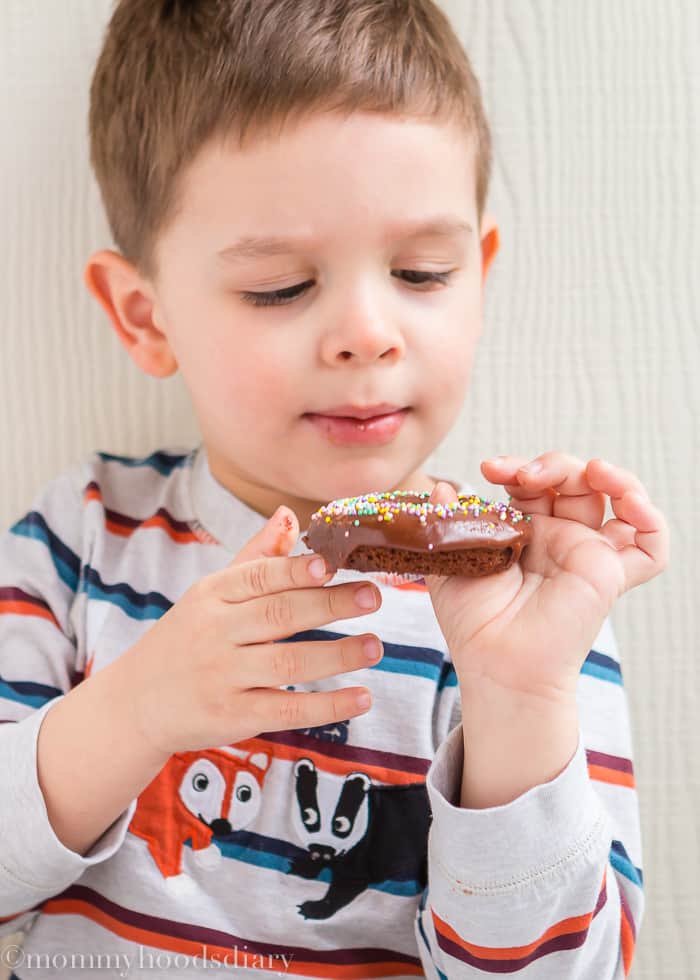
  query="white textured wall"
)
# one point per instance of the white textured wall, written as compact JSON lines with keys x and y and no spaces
{"x":590,"y":347}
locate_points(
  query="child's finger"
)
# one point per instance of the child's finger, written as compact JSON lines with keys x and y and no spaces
{"x":443,"y":493}
{"x":267,"y":576}
{"x":613,"y":480}
{"x":276,"y":538}
{"x":541,"y":490}
{"x":618,"y":533}
{"x":648,"y":530}
{"x":648,"y":554}
{"x":275,"y":617}
{"x":564,"y":473}
{"x":273,"y":664}
{"x":555,"y":483}
{"x":559,"y":471}
{"x":275,"y":710}
{"x":588,"y":509}
{"x":503,"y":470}
{"x":561,"y":485}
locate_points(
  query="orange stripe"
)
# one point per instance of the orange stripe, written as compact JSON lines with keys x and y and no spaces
{"x":19,"y":607}
{"x":615,"y":776}
{"x":192,"y":948}
{"x":157,"y":520}
{"x":15,"y":915}
{"x":180,"y":537}
{"x":341,"y":767}
{"x":574,"y":923}
{"x":626,"y":940}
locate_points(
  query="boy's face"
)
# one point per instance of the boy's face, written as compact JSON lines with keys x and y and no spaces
{"x":360,"y":323}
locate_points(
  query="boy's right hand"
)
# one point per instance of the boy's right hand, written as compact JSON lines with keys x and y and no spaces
{"x":208,"y":673}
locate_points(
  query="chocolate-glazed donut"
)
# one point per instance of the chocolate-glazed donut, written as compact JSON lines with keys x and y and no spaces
{"x":401,"y":531}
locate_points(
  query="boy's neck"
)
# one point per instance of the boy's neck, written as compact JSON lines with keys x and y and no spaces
{"x":265,"y":501}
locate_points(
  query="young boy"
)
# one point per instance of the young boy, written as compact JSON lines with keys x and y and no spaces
{"x":297,"y":190}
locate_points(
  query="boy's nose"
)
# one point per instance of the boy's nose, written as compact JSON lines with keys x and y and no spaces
{"x":365,"y":348}
{"x":364,"y":338}
{"x":364,"y":355}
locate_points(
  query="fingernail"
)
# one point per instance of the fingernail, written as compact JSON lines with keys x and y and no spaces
{"x":317,"y":568}
{"x":363,"y":700}
{"x":281,"y":519}
{"x":366,"y":597}
{"x":534,"y":467}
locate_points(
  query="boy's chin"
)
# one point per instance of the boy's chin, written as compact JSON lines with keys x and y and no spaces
{"x":374,"y":480}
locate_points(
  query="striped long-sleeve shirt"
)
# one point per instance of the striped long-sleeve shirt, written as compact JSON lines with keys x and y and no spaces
{"x":339,"y":851}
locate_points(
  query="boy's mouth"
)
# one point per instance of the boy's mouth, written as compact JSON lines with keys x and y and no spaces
{"x":363,"y":412}
{"x":348,"y":425}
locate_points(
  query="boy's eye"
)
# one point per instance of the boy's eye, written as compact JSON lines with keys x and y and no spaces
{"x":280,"y":296}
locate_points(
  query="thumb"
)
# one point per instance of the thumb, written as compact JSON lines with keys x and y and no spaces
{"x":443,"y":493}
{"x":276,"y":538}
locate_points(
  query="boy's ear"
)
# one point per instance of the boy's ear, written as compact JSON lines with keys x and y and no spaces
{"x":489,"y":243}
{"x":128,"y":301}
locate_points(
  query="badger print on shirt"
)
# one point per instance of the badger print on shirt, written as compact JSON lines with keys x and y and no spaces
{"x":358,"y":833}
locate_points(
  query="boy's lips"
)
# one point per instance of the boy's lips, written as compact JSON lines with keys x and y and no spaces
{"x":374,"y":430}
{"x":349,"y":411}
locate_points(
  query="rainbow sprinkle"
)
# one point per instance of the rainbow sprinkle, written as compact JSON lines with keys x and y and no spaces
{"x":384,"y":506}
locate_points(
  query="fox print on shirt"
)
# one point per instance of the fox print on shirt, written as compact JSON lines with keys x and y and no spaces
{"x":198,"y":795}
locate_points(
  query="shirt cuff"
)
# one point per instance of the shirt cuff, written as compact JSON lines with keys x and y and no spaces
{"x":31,"y":854}
{"x":539,"y":832}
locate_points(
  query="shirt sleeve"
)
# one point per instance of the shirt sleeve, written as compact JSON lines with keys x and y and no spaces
{"x":548,"y":885}
{"x":41,"y":609}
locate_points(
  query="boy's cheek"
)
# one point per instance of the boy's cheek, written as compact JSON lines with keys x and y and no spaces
{"x":250,"y":389}
{"x":448,"y":368}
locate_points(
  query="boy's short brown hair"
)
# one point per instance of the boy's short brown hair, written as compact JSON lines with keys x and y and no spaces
{"x":173,"y":74}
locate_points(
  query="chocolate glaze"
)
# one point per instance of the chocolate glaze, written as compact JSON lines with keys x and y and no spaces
{"x":474,"y":523}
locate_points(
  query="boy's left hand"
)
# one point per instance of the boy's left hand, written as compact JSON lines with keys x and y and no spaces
{"x":528,"y":629}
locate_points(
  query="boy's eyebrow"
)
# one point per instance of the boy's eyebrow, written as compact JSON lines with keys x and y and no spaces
{"x":440,"y":225}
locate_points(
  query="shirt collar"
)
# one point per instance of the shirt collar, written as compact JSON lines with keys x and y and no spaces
{"x":219,"y":511}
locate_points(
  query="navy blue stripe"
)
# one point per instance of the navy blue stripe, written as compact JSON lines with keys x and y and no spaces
{"x":399,"y":658}
{"x":137,"y":605}
{"x":28,"y":692}
{"x":66,"y":562}
{"x":163,"y":462}
{"x":448,"y":676}
{"x":421,"y":908}
{"x":273,"y":854}
{"x":620,"y":860}
{"x":602,"y":666}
